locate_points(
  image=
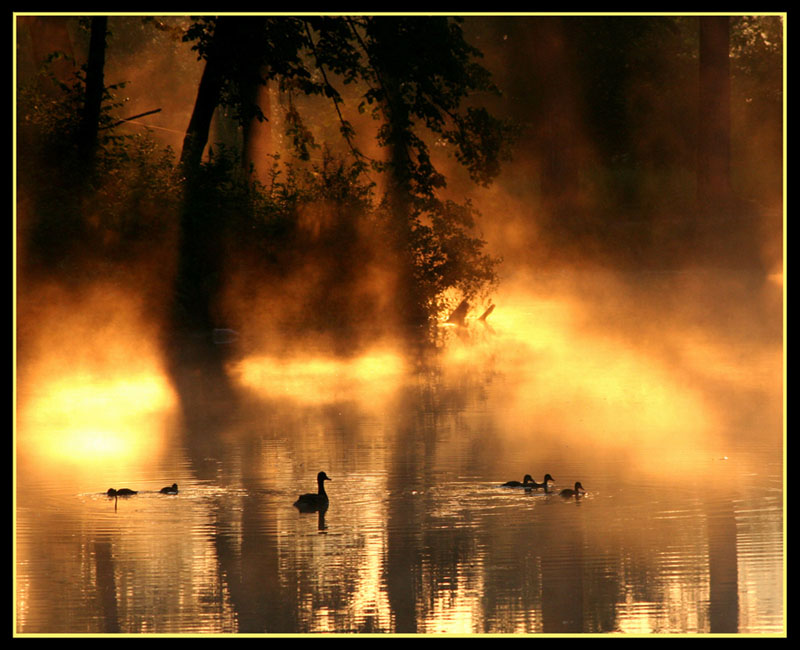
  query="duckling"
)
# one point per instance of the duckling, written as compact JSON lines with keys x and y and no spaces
{"x":311,"y":501}
{"x":172,"y":489}
{"x":122,"y":492}
{"x":527,"y":481}
{"x":567,"y":494}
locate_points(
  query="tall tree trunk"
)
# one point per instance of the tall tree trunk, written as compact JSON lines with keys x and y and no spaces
{"x":714,"y":121}
{"x":558,"y":122}
{"x":257,"y":134}
{"x":197,"y":366}
{"x":196,"y":256}
{"x":412,"y":316}
{"x":208,"y":94}
{"x":199,"y":248}
{"x":87,"y":134}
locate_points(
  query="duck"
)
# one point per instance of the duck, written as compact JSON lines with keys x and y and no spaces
{"x":567,"y":493}
{"x":313,"y":501}
{"x":122,"y":492}
{"x":172,"y":489}
{"x":544,"y":484}
{"x":527,"y":481}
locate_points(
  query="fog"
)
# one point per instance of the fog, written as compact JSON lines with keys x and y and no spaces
{"x":611,"y":288}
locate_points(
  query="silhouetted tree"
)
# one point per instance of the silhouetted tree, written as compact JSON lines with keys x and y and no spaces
{"x":420,"y":73}
{"x":417,"y":71}
{"x":237,"y":52}
{"x":95,"y":88}
{"x":714,"y":118}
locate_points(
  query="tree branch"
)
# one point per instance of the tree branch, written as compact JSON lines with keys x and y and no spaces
{"x":334,"y":97}
{"x":128,"y":119}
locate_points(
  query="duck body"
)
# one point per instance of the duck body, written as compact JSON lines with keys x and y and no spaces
{"x":311,"y":501}
{"x":544,"y":484}
{"x":172,"y":489}
{"x":527,"y":481}
{"x":567,"y":494}
{"x":122,"y":492}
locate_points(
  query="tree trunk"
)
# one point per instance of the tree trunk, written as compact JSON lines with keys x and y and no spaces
{"x":87,"y":134}
{"x":196,"y":138}
{"x":200,"y":232}
{"x":196,"y":365}
{"x":714,"y":122}
{"x":257,"y":134}
{"x":558,"y":122}
{"x":411,"y":315}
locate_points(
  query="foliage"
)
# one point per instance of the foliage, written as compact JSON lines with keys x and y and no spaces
{"x":420,"y":72}
{"x":125,"y":198}
{"x":252,"y":50}
{"x":417,"y":67}
{"x":449,"y":256}
{"x":132,"y":196}
{"x":54,"y":118}
{"x":757,"y":59}
{"x":414,"y":75}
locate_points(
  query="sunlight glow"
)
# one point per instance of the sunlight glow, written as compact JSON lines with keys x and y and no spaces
{"x":82,"y":418}
{"x":91,"y":389}
{"x":570,"y":381}
{"x":370,"y":378}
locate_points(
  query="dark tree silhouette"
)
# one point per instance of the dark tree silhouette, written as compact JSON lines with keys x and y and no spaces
{"x":714,"y":119}
{"x":417,"y":73}
{"x":95,"y":88}
{"x":420,"y":74}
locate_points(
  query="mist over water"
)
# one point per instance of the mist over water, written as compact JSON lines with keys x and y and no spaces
{"x":672,"y":422}
{"x":629,"y":347}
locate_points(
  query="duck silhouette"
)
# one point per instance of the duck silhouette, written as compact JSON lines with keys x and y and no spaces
{"x":544,"y":484}
{"x":527,"y":481}
{"x":122,"y":492}
{"x":568,"y":493}
{"x":311,"y":502}
{"x":172,"y":489}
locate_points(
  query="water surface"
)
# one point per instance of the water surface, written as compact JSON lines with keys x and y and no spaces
{"x":677,"y":439}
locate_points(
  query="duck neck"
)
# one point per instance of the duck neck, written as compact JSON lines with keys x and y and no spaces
{"x":321,"y":487}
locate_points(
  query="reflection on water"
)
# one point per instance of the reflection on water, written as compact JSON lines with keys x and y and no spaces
{"x":676,"y":438}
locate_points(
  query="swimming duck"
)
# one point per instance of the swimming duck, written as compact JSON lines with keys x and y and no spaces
{"x":122,"y":492}
{"x":527,"y":481}
{"x":313,"y":501}
{"x":544,"y":484}
{"x":172,"y":489}
{"x":573,"y":493}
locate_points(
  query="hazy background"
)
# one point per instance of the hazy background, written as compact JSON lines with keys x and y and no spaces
{"x":636,"y":344}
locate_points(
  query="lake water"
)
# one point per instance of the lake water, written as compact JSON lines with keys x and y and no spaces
{"x":673,"y":427}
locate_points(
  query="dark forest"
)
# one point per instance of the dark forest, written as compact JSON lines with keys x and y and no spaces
{"x":340,"y":181}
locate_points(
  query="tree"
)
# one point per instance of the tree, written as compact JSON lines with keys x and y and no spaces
{"x":95,"y":88}
{"x":417,"y":72}
{"x":237,"y":51}
{"x":714,"y":120}
{"x":420,"y":72}
{"x":257,"y":132}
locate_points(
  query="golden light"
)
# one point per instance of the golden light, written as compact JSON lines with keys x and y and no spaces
{"x":370,"y":378}
{"x":86,"y":419}
{"x":564,"y":380}
{"x":91,"y":389}
{"x":776,"y":278}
